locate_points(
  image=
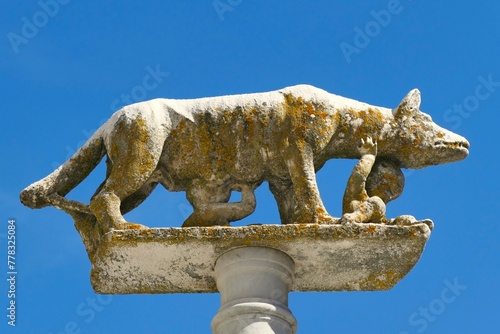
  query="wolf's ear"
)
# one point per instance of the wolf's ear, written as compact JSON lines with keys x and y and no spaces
{"x":410,"y":104}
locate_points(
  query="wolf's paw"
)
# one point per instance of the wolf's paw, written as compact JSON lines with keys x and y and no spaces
{"x":133,"y":226}
{"x":317,"y":216}
{"x":326,"y":219}
{"x":197,"y":219}
{"x":404,"y":220}
{"x":407,"y":220}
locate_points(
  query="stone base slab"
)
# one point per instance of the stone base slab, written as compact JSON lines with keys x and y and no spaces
{"x":360,"y":257}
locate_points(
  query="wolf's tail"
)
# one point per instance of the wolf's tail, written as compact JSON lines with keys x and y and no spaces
{"x":51,"y":189}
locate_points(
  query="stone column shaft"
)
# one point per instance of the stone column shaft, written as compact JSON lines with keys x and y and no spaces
{"x":254,"y":283}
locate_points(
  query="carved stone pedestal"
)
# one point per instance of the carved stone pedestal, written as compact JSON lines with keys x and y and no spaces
{"x":254,"y":267}
{"x":254,"y":283}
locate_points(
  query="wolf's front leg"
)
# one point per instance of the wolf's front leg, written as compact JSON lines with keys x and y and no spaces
{"x":309,"y":208}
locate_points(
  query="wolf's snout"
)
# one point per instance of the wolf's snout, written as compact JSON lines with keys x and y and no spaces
{"x":456,"y":144}
{"x":452,"y":142}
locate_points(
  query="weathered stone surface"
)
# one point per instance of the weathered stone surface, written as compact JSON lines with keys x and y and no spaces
{"x":327,"y":257}
{"x":371,"y":185}
{"x":254,"y":283}
{"x":210,"y":147}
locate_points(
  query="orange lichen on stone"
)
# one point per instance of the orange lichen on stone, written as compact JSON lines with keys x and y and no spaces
{"x":212,"y":146}
{"x":126,"y":261}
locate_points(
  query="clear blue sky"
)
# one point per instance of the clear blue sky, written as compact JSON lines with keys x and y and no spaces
{"x":65,"y":72}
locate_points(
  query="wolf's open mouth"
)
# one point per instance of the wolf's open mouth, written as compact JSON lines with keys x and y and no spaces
{"x":456,"y":144}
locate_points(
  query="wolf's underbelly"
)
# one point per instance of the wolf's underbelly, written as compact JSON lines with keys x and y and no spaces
{"x":219,"y":155}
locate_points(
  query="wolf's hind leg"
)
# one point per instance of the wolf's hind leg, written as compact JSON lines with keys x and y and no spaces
{"x":133,"y":154}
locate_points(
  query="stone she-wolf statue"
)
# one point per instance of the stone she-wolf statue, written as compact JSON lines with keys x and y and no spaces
{"x":210,"y":147}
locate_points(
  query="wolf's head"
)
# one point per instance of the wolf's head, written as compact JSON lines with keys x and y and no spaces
{"x":415,"y":141}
